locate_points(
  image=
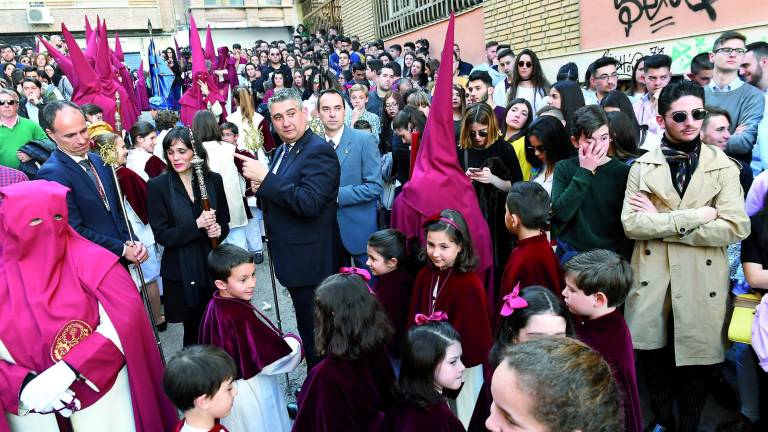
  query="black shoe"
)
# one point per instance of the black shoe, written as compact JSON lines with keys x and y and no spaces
{"x":163,"y":326}
{"x":258,"y":258}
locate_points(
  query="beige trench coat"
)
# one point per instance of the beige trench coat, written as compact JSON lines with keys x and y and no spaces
{"x":680,"y":264}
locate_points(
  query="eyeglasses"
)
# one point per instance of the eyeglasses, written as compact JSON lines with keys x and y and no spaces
{"x":8,"y":102}
{"x":604,"y":77}
{"x":729,"y":51}
{"x":483,"y":133}
{"x":522,"y":63}
{"x":391,"y":105}
{"x":681,"y":116}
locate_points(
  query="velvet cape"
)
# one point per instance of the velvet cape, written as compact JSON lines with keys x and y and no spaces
{"x":393,"y":290}
{"x":609,"y":335}
{"x":412,"y":418}
{"x":134,"y":189}
{"x":463,"y":298}
{"x":346,"y":395}
{"x":232,"y":325}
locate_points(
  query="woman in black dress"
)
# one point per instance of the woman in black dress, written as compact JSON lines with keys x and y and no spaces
{"x":179,"y":224}
{"x":490,"y":162}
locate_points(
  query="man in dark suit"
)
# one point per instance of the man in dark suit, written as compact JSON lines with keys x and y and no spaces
{"x":92,"y":200}
{"x":360,"y":182}
{"x":299,"y":192}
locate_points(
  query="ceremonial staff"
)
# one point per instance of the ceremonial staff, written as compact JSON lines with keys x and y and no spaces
{"x":109,"y":155}
{"x":197,"y":164}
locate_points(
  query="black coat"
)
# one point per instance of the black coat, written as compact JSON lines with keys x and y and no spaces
{"x":300,"y":211}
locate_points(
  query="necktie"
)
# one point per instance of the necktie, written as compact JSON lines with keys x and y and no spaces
{"x":85,"y":163}
{"x":286,"y":156}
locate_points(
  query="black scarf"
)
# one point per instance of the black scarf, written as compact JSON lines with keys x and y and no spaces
{"x":683,"y":158}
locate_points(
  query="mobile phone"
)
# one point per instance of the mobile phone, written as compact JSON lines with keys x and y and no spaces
{"x":475,"y":170}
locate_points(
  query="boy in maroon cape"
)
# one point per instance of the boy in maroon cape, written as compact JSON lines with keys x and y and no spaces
{"x":596,"y":283}
{"x":199,"y":379}
{"x":260,"y":351}
{"x":74,"y":330}
{"x":532,"y":261}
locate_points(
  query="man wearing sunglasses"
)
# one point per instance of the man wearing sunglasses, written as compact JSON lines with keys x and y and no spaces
{"x":744,"y":102}
{"x":15,"y":131}
{"x":683,"y":205}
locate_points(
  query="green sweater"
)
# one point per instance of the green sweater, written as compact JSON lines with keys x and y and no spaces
{"x":586,"y":208}
{"x":12,"y":139}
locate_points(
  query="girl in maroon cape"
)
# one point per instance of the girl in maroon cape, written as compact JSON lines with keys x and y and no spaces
{"x":349,"y":390}
{"x":431,"y":363}
{"x":533,"y":312}
{"x":448,"y":288}
{"x":387,"y":259}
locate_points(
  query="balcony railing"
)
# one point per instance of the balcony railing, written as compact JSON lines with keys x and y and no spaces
{"x":321,"y":16}
{"x":399,"y":16}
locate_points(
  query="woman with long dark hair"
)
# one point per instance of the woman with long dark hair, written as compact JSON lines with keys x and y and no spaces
{"x":180,"y":224}
{"x":407,"y":121}
{"x":528,"y":80}
{"x":419,"y":72}
{"x":547,"y":143}
{"x":516,"y":121}
{"x":459,"y":106}
{"x":567,"y":97}
{"x":252,"y":78}
{"x":637,"y":88}
{"x":624,"y":137}
{"x":618,"y":101}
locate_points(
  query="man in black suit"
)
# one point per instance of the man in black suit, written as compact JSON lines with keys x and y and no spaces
{"x":299,"y":192}
{"x":92,"y":200}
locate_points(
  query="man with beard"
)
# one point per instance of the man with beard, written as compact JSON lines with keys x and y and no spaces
{"x":754,"y":70}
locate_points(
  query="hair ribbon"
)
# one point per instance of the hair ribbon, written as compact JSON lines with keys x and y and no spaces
{"x":436,"y":316}
{"x":513,"y":301}
{"x":437,"y":218}
{"x":363,"y":273}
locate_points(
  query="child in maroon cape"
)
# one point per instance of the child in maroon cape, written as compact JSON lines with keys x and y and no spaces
{"x":448,"y":288}
{"x":261,"y":352}
{"x":596,"y":283}
{"x":199,"y":381}
{"x":431,"y":363}
{"x":349,"y":390}
{"x":387,"y":259}
{"x":536,"y":312}
{"x":532,"y":261}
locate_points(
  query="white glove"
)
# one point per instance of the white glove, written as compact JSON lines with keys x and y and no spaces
{"x":66,"y":403}
{"x":46,"y":391}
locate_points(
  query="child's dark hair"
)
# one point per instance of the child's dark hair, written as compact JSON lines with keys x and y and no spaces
{"x":197,"y":370}
{"x":541,"y":301}
{"x":602,"y":271}
{"x":231,"y":126}
{"x":392,"y":243}
{"x":530,"y":202}
{"x":362,"y":124}
{"x":586,"y":120}
{"x":224,"y":258}
{"x":424,"y":349}
{"x":466,"y":260}
{"x":91,"y":109}
{"x":349,"y":321}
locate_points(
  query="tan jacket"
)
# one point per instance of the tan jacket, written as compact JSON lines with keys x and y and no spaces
{"x":680,"y":263}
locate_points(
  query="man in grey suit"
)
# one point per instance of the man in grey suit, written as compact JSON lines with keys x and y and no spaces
{"x":360,"y":185}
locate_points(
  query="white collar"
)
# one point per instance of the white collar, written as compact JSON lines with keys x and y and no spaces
{"x":337,"y":139}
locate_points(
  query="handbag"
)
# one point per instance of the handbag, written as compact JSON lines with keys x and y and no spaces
{"x":740,"y":328}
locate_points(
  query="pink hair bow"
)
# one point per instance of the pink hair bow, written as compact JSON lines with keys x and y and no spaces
{"x":513,"y":301}
{"x":363,"y":273}
{"x":436,"y":316}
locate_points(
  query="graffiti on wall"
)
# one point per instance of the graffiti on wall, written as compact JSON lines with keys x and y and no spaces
{"x":659,"y":13}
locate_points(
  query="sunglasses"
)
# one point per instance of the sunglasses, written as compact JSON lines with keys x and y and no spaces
{"x":681,"y":116}
{"x":483,"y":133}
{"x":8,"y":102}
{"x":522,"y":63}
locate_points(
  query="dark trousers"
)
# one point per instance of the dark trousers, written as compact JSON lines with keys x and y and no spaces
{"x":304,"y":304}
{"x":192,"y":325}
{"x":668,"y":382}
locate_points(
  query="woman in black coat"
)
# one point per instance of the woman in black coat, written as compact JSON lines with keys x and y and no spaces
{"x":179,"y":224}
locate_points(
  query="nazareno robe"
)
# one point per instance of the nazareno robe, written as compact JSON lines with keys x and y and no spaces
{"x":346,"y":395}
{"x":232,"y":325}
{"x":532,"y":262}
{"x":412,"y":418}
{"x":463,"y":298}
{"x":609,"y":335}
{"x":393,"y":290}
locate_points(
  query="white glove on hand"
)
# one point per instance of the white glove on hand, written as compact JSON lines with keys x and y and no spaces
{"x":46,"y":391}
{"x":66,"y":403}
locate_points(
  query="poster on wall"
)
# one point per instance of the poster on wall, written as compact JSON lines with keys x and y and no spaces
{"x":611,"y":23}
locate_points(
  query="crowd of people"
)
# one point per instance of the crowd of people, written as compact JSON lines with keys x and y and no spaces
{"x":620,"y":223}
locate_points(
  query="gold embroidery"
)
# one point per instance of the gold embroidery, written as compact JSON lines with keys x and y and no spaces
{"x":70,"y":335}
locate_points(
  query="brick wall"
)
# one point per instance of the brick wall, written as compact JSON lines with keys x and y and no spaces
{"x":549,"y":27}
{"x":357,"y":17}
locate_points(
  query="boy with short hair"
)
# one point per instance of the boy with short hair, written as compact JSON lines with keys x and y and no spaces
{"x":588,"y":190}
{"x":261,"y":351}
{"x":199,"y":382}
{"x":596,"y":283}
{"x":532,"y":261}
